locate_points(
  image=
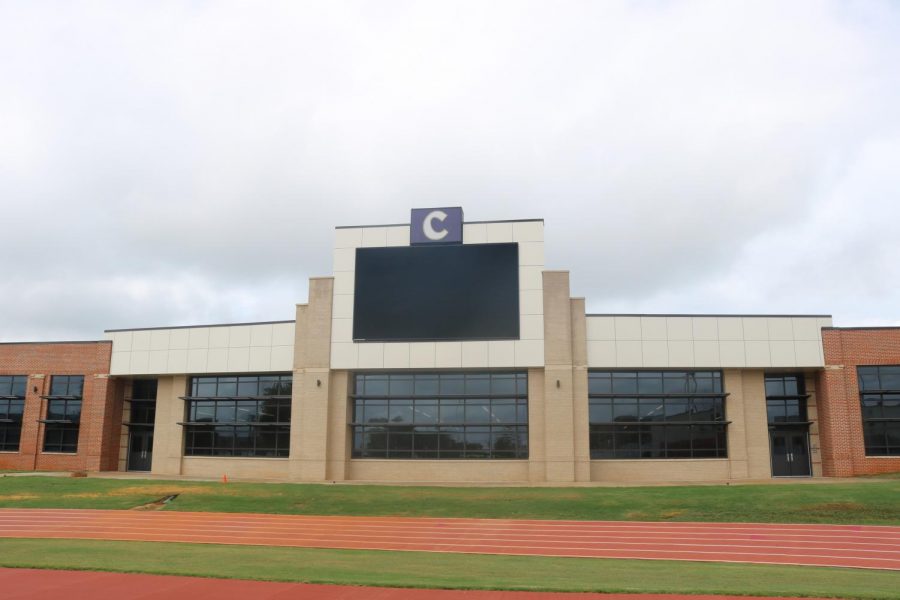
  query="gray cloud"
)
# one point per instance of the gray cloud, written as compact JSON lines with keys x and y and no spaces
{"x":177,"y":163}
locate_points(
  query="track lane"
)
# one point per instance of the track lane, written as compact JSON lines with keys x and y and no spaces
{"x":33,"y":584}
{"x":870,"y":547}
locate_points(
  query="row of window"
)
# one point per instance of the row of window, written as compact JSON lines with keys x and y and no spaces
{"x":632,"y":414}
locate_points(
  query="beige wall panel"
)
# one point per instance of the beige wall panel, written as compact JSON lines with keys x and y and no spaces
{"x":536,"y":429}
{"x":668,"y":470}
{"x":312,"y":382}
{"x":338,"y":441}
{"x":559,"y":414}
{"x":168,"y":435}
{"x":580,"y":392}
{"x":812,"y":409}
{"x":703,"y":341}
{"x":236,"y":468}
{"x":439,"y":471}
{"x":733,"y":382}
{"x":757,"y":425}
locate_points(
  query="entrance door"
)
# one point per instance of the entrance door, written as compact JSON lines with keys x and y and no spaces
{"x":790,"y":453}
{"x":140,"y":449}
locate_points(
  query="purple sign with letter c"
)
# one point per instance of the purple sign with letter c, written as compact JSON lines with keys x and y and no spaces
{"x":436,"y":226}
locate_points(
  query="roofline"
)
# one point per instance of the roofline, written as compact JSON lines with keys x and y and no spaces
{"x":197,"y":326}
{"x":464,"y":223}
{"x":63,"y":342}
{"x":864,"y":328}
{"x":703,"y":315}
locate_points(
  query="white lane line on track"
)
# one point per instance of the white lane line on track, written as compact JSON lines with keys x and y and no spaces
{"x":442,"y":522}
{"x":50,"y":534}
{"x":507,"y":540}
{"x":858,"y":539}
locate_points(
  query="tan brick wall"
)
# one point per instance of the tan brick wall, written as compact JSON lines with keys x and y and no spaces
{"x":439,"y":471}
{"x":100,"y":410}
{"x":839,"y":409}
{"x":235,"y":467}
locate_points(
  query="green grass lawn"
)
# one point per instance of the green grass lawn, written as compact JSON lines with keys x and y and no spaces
{"x":873,"y":501}
{"x":460,"y":571}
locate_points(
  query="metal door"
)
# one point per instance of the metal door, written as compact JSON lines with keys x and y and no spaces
{"x":140,"y":449}
{"x":790,"y":453}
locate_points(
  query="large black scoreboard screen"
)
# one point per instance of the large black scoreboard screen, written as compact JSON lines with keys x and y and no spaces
{"x":437,"y":293}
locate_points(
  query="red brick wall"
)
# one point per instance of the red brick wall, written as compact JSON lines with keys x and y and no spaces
{"x":97,"y":437}
{"x":840,"y":413}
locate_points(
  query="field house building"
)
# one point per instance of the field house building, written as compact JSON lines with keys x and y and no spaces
{"x":444,"y":351}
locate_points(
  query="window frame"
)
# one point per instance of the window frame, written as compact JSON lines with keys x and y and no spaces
{"x":61,"y":436}
{"x":244,"y":436}
{"x":665,"y":405}
{"x":10,"y":420}
{"x":419,"y":429}
{"x":886,"y":428}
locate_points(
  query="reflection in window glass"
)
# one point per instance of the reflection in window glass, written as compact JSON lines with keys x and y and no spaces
{"x":248,"y":415}
{"x":880,"y":397}
{"x":440,"y":415}
{"x":657,"y":414}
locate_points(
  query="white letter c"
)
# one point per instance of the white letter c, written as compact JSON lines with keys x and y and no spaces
{"x":428,"y":227}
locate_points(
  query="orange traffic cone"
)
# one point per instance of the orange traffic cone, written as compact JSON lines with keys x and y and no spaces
{"x":224,"y":478}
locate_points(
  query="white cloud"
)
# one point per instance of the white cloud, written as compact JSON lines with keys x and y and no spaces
{"x":172,"y":163}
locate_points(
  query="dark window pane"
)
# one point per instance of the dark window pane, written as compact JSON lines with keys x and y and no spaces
{"x":376,"y":385}
{"x":651,"y":409}
{"x":426,"y":385}
{"x":678,"y":409}
{"x":868,"y":378}
{"x":625,"y":409}
{"x":426,"y":411}
{"x":891,"y":406}
{"x":478,"y":384}
{"x":889,"y":378}
{"x":400,"y":411}
{"x":376,"y":411}
{"x":774,"y":387}
{"x":624,"y":383}
{"x":401,"y":385}
{"x":650,"y":383}
{"x":453,"y":411}
{"x":600,"y":411}
{"x":453,"y":384}
{"x":248,"y":386}
{"x":600,"y":383}
{"x":503,"y":384}
{"x":503,"y":411}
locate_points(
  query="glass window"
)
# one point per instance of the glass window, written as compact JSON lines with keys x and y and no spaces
{"x":880,"y":399}
{"x":440,"y":416}
{"x":63,"y":420}
{"x":248,"y":415}
{"x":12,"y":407}
{"x":656,"y":414}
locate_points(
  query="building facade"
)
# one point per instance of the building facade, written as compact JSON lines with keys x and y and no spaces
{"x":444,"y":351}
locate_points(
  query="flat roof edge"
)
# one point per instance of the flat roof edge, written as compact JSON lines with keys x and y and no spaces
{"x":63,"y":342}
{"x":705,"y":315}
{"x":864,"y":327}
{"x":464,"y":223}
{"x":197,"y":326}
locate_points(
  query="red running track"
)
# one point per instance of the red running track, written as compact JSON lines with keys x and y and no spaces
{"x":34,"y":584}
{"x":868,"y":547}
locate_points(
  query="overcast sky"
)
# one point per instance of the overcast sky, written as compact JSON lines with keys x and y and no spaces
{"x":185,"y":163}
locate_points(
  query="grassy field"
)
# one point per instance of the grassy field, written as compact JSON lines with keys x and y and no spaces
{"x":873,"y":501}
{"x":460,"y":571}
